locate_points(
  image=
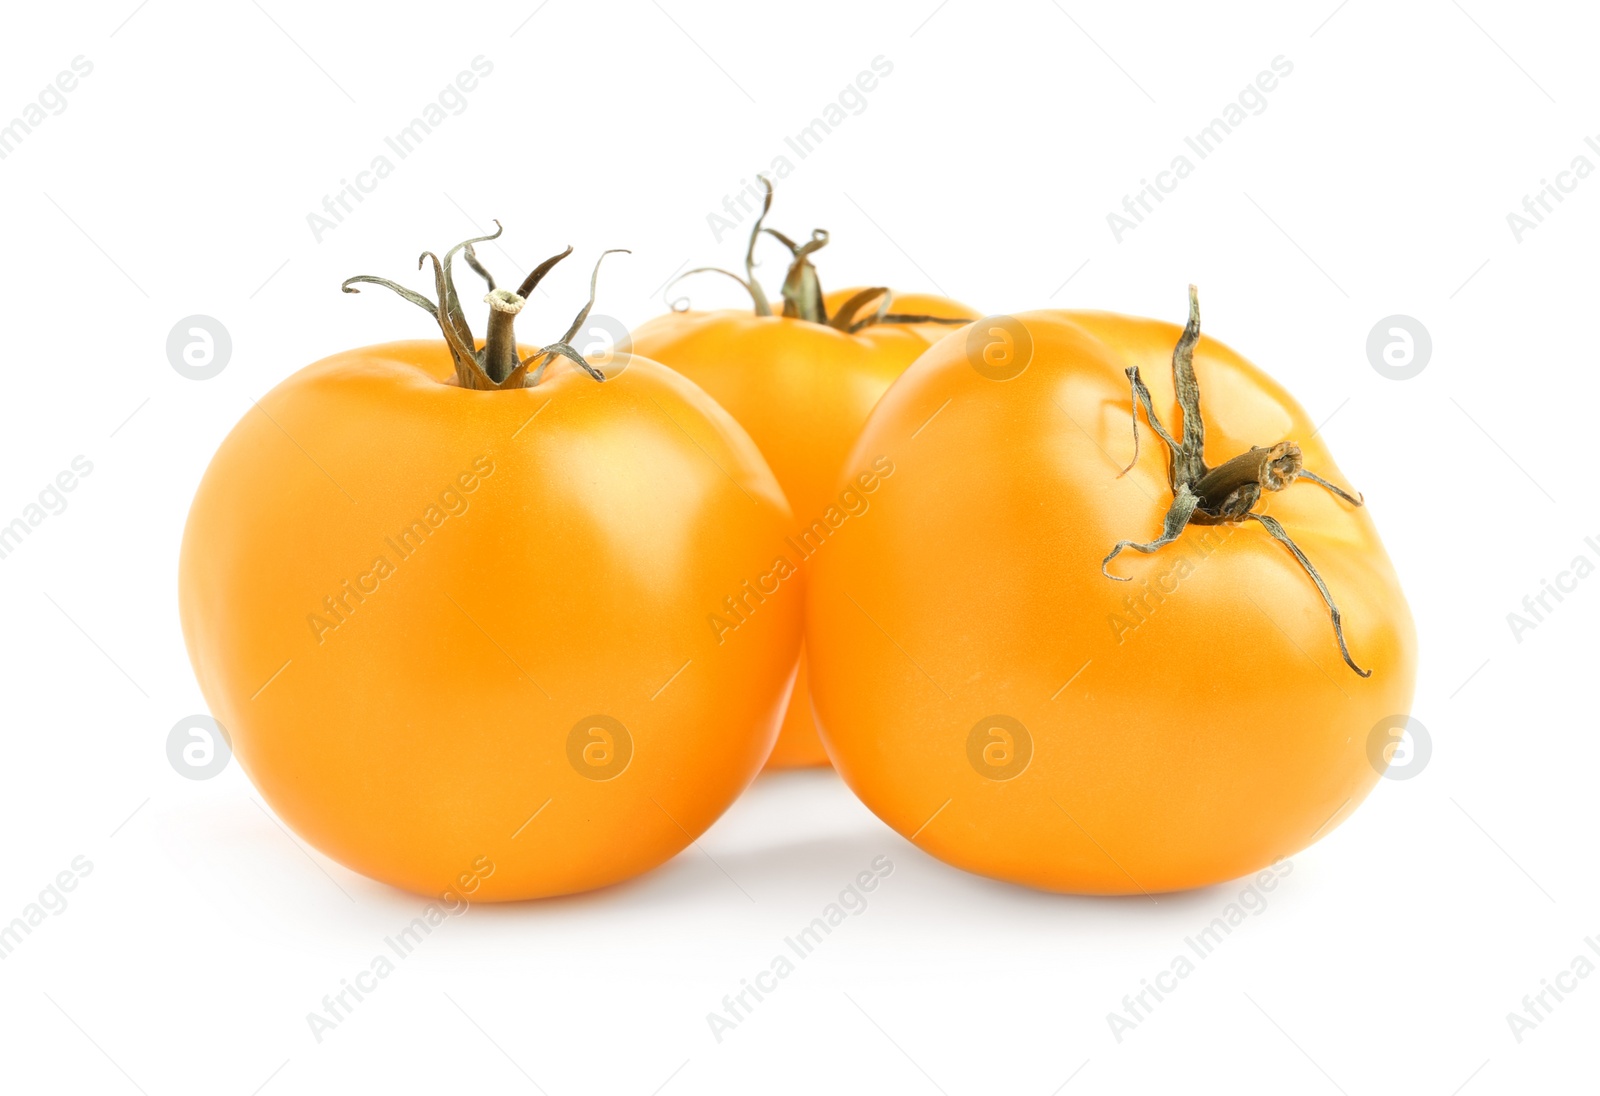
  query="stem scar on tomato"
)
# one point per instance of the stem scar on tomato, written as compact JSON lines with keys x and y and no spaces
{"x":802,"y":290}
{"x":495,"y":366}
{"x":1228,"y":493}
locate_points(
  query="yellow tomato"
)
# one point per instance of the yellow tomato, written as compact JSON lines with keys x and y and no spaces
{"x":992,"y":695}
{"x":458,"y":637}
{"x":801,"y":388}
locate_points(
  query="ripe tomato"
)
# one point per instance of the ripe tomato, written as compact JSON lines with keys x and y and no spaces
{"x":992,"y":695}
{"x":802,"y":388}
{"x":458,"y":637}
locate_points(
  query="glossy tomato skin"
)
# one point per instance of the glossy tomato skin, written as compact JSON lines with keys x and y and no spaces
{"x":989,"y":694}
{"x":802,"y":390}
{"x":459,"y":639}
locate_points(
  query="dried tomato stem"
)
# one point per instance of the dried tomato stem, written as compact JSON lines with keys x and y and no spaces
{"x":495,"y":365}
{"x":500,"y":348}
{"x":1230,"y":492}
{"x":802,"y":289}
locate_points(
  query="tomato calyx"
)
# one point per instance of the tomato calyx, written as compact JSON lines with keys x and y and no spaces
{"x":1229,"y":493}
{"x":802,"y":289}
{"x":495,"y":365}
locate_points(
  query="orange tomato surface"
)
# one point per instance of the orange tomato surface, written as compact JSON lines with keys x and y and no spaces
{"x":992,"y":696}
{"x":802,"y":390}
{"x":458,"y":638}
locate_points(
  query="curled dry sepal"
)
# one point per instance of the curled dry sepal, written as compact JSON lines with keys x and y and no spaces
{"x":1228,"y":493}
{"x":802,"y":290}
{"x":496,"y":365}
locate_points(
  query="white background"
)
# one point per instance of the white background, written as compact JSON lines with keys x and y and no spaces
{"x":1377,"y":181}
